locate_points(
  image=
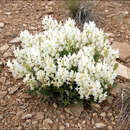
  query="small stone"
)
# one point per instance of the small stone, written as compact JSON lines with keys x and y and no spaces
{"x":110,"y":99}
{"x":34,"y":123}
{"x":100,"y":125}
{"x":76,"y":110}
{"x":95,"y":106}
{"x":48,"y":121}
{"x":123,"y":71}
{"x":109,"y":34}
{"x":20,"y":128}
{"x":20,"y":113}
{"x":12,"y":90}
{"x":4,"y":48}
{"x":113,"y":123}
{"x":33,"y":28}
{"x":109,"y":114}
{"x":28,"y":116}
{"x":126,"y":12}
{"x":39,"y":116}
{"x":8,"y":13}
{"x":68,"y":110}
{"x":106,"y":108}
{"x":61,"y":127}
{"x":1,"y":117}
{"x":124,"y":50}
{"x":106,"y":10}
{"x":15,"y":40}
{"x":7,"y":54}
{"x":3,"y":93}
{"x":55,"y":105}
{"x":46,"y":125}
{"x":2,"y":25}
{"x":103,"y":114}
{"x":109,"y":128}
{"x":67,"y":124}
{"x":1,"y":63}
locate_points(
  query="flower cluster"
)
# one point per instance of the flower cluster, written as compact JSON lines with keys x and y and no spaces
{"x":63,"y":54}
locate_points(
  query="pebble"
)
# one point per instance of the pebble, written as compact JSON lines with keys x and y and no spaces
{"x":113,"y":123}
{"x":109,"y":128}
{"x":4,"y":48}
{"x":67,"y":124}
{"x":103,"y":114}
{"x":109,"y":114}
{"x":110,"y":99}
{"x":28,"y":116}
{"x":13,"y":90}
{"x":95,"y":106}
{"x":19,"y":128}
{"x":15,"y":40}
{"x":3,"y":93}
{"x":100,"y":125}
{"x":1,"y":117}
{"x":46,"y":125}
{"x":55,"y":105}
{"x":61,"y":127}
{"x":39,"y":116}
{"x":34,"y":122}
{"x":48,"y":121}
{"x":8,"y":13}
{"x":76,"y":110}
{"x":2,"y":25}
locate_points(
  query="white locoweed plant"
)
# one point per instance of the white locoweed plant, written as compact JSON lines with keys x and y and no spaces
{"x":83,"y":61}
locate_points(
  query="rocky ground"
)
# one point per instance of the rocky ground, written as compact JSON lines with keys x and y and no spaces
{"x":18,"y":110}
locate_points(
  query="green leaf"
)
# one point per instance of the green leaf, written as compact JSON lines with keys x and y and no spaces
{"x":115,"y":66}
{"x":96,"y":56}
{"x":105,"y":53}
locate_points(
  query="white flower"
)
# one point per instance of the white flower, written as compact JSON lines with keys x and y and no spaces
{"x":63,"y":54}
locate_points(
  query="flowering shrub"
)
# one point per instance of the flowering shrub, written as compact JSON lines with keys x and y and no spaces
{"x":65,"y":64}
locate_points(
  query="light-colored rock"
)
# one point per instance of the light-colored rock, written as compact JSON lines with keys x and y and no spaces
{"x":110,"y":99}
{"x":8,"y":13}
{"x":48,"y":121}
{"x":61,"y":127}
{"x":27,"y":116}
{"x":100,"y":125}
{"x":103,"y":114}
{"x":34,"y":123}
{"x":67,"y":124}
{"x":55,"y":105}
{"x":20,"y":128}
{"x":46,"y":125}
{"x":4,"y":48}
{"x":124,"y":50}
{"x":123,"y":71}
{"x":1,"y":117}
{"x":95,"y":107}
{"x":19,"y":113}
{"x":2,"y":94}
{"x":7,"y":54}
{"x":2,"y":25}
{"x":109,"y":114}
{"x":75,"y":110}
{"x":113,"y":123}
{"x":12,"y":90}
{"x":109,"y":34}
{"x":39,"y":116}
{"x":109,"y":128}
{"x":15,"y":40}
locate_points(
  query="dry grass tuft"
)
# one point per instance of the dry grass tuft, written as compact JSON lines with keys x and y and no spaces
{"x":124,"y":104}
